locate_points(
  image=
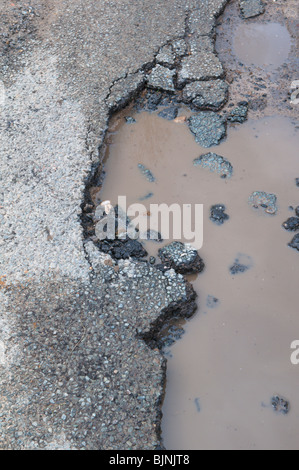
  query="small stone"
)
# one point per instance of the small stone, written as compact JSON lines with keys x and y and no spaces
{"x":280,"y":405}
{"x":297,"y":211}
{"x":292,"y":224}
{"x":215,"y":163}
{"x":297,"y":182}
{"x":152,"y":260}
{"x":218,"y":214}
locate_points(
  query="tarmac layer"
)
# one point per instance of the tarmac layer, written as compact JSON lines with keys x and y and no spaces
{"x":78,"y":364}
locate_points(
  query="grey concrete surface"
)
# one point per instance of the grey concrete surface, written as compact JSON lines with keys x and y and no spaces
{"x":75,"y":370}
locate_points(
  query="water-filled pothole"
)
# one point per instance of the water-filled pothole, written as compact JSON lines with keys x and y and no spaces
{"x":266,"y":45}
{"x":235,"y":354}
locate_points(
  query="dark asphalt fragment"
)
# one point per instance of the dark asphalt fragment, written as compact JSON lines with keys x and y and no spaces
{"x":208,"y":127}
{"x":218,"y":215}
{"x":295,"y":242}
{"x":238,"y":268}
{"x":184,"y":259}
{"x":215,"y":163}
{"x":169,"y":113}
{"x":154,"y":99}
{"x":122,"y":249}
{"x":239,"y":114}
{"x":292,"y":224}
{"x":211,"y":94}
{"x":171,"y":336}
{"x":266,"y":201}
{"x":297,"y":182}
{"x":251,"y":8}
{"x":280,"y":405}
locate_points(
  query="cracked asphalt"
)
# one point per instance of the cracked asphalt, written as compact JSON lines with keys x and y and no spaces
{"x":79,"y":364}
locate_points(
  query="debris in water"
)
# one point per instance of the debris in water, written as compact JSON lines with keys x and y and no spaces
{"x":147,"y":196}
{"x":147,"y":173}
{"x":280,"y":404}
{"x":266,"y":201}
{"x":295,"y":242}
{"x":239,"y":114}
{"x":218,"y":215}
{"x":292,"y":224}
{"x":208,"y":127}
{"x":215,"y":163}
{"x":171,"y":335}
{"x":212,"y":302}
{"x":242,"y":263}
{"x":197,"y":404}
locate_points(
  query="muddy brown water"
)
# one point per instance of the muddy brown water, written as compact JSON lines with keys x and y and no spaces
{"x":234,"y":357}
{"x":266,"y":45}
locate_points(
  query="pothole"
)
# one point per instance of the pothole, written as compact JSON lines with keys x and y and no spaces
{"x":228,"y":363}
